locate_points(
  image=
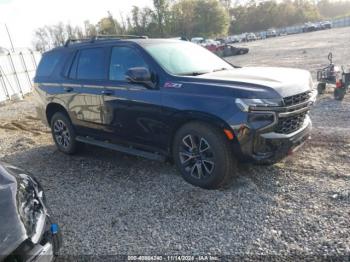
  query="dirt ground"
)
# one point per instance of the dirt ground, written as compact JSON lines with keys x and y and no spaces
{"x":108,"y":203}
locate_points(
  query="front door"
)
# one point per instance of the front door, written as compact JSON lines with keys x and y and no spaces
{"x":132,"y":111}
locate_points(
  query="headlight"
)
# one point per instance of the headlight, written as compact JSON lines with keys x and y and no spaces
{"x":246,"y":104}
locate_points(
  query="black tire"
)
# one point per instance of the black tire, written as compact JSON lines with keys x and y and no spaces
{"x":63,"y":133}
{"x":339,"y":93}
{"x":203,"y":156}
{"x":321,"y":88}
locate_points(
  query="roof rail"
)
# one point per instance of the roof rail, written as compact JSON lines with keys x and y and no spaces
{"x":105,"y":37}
{"x":102,"y":37}
{"x":75,"y":40}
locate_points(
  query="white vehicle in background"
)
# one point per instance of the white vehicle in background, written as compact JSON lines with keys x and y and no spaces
{"x":271,"y":33}
{"x":251,"y":37}
{"x":197,"y":40}
{"x":243,"y":37}
{"x":210,"y":42}
{"x":233,"y":39}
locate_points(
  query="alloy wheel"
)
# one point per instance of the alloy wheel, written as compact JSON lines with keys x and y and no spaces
{"x":61,"y":133}
{"x":196,"y":156}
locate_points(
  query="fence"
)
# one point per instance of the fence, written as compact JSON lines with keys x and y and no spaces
{"x":341,"y":22}
{"x":17,"y":70}
{"x":296,"y":29}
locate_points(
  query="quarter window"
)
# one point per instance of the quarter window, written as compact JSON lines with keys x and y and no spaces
{"x":122,"y":59}
{"x":48,"y":64}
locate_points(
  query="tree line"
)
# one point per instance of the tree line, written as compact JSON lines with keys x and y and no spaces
{"x":190,"y":18}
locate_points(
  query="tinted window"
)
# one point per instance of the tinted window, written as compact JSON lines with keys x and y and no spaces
{"x":91,"y":64}
{"x":48,"y":63}
{"x":73,"y":69}
{"x":122,"y":59}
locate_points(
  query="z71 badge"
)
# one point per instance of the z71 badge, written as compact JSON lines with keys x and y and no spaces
{"x":172,"y":85}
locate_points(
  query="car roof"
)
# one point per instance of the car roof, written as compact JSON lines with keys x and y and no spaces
{"x":102,"y":42}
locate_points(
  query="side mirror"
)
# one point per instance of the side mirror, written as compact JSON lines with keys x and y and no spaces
{"x":140,"y":75}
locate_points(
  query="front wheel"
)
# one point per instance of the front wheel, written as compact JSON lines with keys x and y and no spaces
{"x":339,"y":93}
{"x":203,"y":155}
{"x":63,"y":133}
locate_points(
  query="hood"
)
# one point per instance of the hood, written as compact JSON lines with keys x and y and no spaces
{"x":285,"y":81}
{"x":20,"y":208}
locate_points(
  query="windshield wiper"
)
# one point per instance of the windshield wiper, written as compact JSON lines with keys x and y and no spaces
{"x":220,"y":69}
{"x":194,"y":73}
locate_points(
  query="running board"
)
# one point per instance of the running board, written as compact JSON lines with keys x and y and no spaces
{"x":123,"y":149}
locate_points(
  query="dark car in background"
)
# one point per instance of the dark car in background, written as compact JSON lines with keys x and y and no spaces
{"x":310,"y":27}
{"x":231,"y":50}
{"x":325,"y":25}
{"x":169,"y":99}
{"x":27,"y":232}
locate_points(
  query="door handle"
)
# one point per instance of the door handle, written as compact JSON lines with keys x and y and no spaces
{"x":68,"y":89}
{"x":107,"y":92}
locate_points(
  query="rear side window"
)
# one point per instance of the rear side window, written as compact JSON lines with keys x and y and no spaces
{"x":47,"y":64}
{"x":91,"y":64}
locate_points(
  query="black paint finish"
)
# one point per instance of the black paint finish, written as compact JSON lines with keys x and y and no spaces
{"x":147,"y":118}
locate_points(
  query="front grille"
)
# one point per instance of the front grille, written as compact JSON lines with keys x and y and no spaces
{"x":287,"y":125}
{"x":296,"y":99}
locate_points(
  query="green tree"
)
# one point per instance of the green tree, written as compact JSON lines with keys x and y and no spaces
{"x":183,"y":18}
{"x":263,"y":15}
{"x":108,"y":26}
{"x":206,"y":18}
{"x":329,"y":8}
{"x":161,"y":15}
{"x":211,"y":18}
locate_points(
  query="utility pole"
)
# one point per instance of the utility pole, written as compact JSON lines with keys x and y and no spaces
{"x":8,"y":33}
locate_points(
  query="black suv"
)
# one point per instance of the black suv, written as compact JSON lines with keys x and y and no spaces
{"x":170,"y":99}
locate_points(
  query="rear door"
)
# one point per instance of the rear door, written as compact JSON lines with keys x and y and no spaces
{"x":87,"y":78}
{"x":131,"y":111}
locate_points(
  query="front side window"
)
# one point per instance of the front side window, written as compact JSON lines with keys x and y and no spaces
{"x":91,"y":64}
{"x":183,"y":58}
{"x":122,"y":59}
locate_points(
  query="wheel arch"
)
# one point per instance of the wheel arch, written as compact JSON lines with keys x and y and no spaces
{"x":186,"y":117}
{"x":53,"y":108}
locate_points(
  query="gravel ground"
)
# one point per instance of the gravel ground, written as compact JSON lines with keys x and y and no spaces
{"x":109,"y":203}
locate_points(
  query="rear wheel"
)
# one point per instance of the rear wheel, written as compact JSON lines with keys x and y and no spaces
{"x":339,"y":93}
{"x":63,"y":133}
{"x":321,"y":88}
{"x":203,"y":155}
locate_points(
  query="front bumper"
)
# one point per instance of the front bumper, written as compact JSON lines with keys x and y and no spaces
{"x":267,"y":146}
{"x":49,"y":245}
{"x":43,"y":253}
{"x":272,"y":147}
{"x":45,"y":250}
{"x":270,"y":134}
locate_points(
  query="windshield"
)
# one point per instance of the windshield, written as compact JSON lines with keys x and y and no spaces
{"x":184,"y":58}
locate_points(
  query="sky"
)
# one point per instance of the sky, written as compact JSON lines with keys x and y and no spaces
{"x":22,"y":17}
